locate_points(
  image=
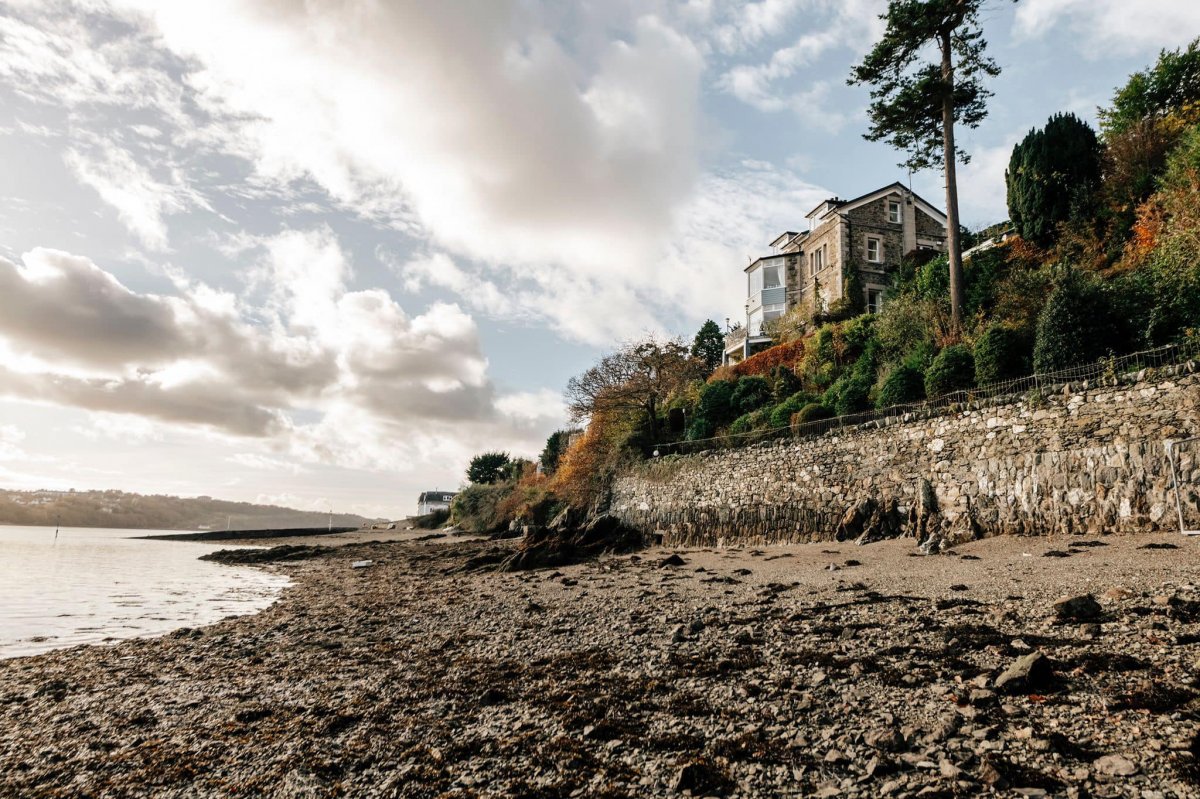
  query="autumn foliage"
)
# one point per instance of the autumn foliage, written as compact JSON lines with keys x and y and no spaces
{"x":763,"y":363}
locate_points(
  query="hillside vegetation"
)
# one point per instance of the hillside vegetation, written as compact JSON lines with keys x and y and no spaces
{"x":1100,"y":257}
{"x":118,"y":509}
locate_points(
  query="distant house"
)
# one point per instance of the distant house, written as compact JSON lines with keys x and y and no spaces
{"x":869,"y":235}
{"x":429,"y":501}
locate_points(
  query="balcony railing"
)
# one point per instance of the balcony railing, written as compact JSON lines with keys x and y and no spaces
{"x":735,"y":338}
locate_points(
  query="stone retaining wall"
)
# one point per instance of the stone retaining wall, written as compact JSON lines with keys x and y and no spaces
{"x":1079,"y":459}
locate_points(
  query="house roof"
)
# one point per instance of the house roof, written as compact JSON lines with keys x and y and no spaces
{"x":435,"y":496}
{"x":834,"y":204}
{"x":784,"y":238}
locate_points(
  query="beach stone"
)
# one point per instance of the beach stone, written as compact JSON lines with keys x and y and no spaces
{"x":1078,"y":608}
{"x":1115,"y":766}
{"x":1027,"y":673}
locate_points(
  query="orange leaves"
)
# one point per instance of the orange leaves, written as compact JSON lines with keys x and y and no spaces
{"x":762,"y":363}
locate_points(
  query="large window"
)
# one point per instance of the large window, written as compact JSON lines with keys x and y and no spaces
{"x":816,"y":260}
{"x":874,"y":249}
{"x":772,"y":276}
{"x":894,"y":211}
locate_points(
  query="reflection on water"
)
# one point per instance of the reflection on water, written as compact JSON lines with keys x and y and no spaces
{"x":92,"y":585}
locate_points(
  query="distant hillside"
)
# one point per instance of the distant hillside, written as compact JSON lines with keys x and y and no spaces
{"x":154,"y":512}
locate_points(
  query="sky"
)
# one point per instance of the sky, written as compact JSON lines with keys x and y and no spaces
{"x":320,"y":253}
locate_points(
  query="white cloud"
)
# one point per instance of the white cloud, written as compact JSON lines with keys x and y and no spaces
{"x":140,"y":200}
{"x":266,"y":463}
{"x":981,"y":187}
{"x":323,"y":372}
{"x":767,"y":86}
{"x":754,"y":22}
{"x":1104,"y":27}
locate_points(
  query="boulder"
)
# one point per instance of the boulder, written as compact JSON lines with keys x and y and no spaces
{"x":1078,"y":608}
{"x":1026,"y":674}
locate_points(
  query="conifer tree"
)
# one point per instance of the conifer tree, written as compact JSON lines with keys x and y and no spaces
{"x":915,"y":103}
{"x":1053,"y":176}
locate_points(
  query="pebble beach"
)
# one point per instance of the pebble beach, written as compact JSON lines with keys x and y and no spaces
{"x":1009,"y":667}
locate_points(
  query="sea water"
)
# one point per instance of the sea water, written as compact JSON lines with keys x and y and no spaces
{"x":91,"y":586}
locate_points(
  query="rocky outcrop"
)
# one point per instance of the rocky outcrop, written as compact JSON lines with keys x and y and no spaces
{"x":1077,"y":458}
{"x":562,"y":543}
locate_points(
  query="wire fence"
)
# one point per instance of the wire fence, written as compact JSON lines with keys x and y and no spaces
{"x":1035,"y":386}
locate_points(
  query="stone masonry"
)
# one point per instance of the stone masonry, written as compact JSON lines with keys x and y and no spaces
{"x":1074,"y":459}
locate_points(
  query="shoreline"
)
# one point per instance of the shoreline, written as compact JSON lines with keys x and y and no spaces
{"x":246,"y":535}
{"x":787,"y":670}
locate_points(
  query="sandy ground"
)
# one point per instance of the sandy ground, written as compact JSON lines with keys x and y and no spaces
{"x":820,"y":669}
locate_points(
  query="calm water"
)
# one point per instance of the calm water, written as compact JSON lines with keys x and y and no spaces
{"x":94,"y":585}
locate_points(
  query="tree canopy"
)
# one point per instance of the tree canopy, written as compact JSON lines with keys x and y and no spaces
{"x":1171,"y":85}
{"x":1053,"y":175}
{"x":709,"y":345}
{"x":637,"y":377}
{"x":916,"y":102}
{"x":488,"y":468}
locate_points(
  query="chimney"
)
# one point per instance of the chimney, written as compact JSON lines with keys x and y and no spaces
{"x":908,"y":216}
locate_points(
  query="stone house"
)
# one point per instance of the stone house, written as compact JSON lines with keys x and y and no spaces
{"x":850,"y":245}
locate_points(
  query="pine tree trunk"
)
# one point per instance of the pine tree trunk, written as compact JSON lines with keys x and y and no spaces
{"x":952,"y":239}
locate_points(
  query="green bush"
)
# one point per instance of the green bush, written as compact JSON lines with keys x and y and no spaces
{"x":749,"y":422}
{"x":854,"y":397}
{"x":932,"y":281}
{"x":1075,"y":326}
{"x":714,"y":409}
{"x":952,"y":370}
{"x":812,"y":412}
{"x":903,"y":385}
{"x":750,"y":394}
{"x":849,"y":394}
{"x":476,"y":509}
{"x":999,"y":355}
{"x":784,"y":383}
{"x":781,"y":414}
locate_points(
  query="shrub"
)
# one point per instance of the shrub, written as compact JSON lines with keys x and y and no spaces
{"x":812,"y":412}
{"x":763,"y":363}
{"x":903,"y":385}
{"x":1074,"y":327}
{"x":781,"y":414}
{"x":713,"y":410}
{"x":999,"y":355}
{"x":750,"y":394}
{"x":749,"y":422}
{"x":784,"y":383}
{"x":475,"y":509}
{"x":853,"y":396}
{"x":952,"y":370}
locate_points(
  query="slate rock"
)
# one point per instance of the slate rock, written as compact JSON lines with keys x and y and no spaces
{"x":1026,"y":674}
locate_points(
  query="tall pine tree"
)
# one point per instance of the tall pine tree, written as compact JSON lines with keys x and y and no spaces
{"x":915,"y":103}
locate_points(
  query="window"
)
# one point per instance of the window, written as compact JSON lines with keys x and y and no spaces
{"x":756,"y":281}
{"x":771,"y":276}
{"x":754,"y":323}
{"x":874,"y":300}
{"x":874,"y":249}
{"x":894,"y":211}
{"x":816,"y":261}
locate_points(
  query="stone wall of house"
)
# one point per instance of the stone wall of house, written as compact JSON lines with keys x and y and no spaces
{"x":1075,"y":459}
{"x":929,"y":228}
